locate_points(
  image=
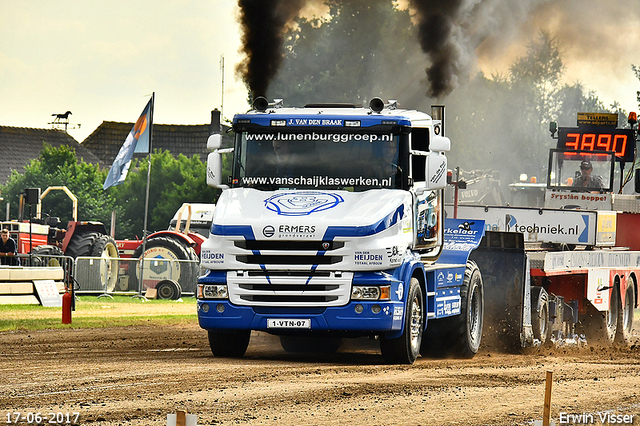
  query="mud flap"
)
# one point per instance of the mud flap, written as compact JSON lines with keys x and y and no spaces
{"x":505,"y":273}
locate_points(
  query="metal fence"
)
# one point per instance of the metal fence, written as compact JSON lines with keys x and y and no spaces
{"x":104,"y":275}
{"x":65,"y":262}
{"x":122,"y":275}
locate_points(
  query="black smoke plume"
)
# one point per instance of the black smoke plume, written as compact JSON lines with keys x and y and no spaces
{"x":263,"y":23}
{"x":437,"y":32}
{"x":449,"y":32}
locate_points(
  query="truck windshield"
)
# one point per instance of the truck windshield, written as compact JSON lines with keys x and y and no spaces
{"x":314,"y":160}
{"x":581,"y":171}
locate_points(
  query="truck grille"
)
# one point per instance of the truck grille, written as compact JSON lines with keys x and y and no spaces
{"x":262,"y":259}
{"x":287,"y":288}
{"x":298,"y":253}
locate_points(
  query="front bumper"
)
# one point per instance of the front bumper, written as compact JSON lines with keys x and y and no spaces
{"x":356,"y":316}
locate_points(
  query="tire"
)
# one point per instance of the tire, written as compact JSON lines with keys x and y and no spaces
{"x":169,"y":289}
{"x":165,"y":249}
{"x":625,"y":318}
{"x":81,"y":244}
{"x":310,"y":344}
{"x":540,"y":320}
{"x":41,"y":255}
{"x":601,"y":329}
{"x":229,"y":343}
{"x":406,"y":348}
{"x":106,"y":248}
{"x":459,"y":336}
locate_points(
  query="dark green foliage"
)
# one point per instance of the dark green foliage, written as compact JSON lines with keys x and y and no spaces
{"x":365,"y":49}
{"x":173,"y":182}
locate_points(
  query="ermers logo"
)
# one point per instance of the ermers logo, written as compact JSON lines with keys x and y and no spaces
{"x":268,"y":231}
{"x":302,"y":203}
{"x":296,"y":231}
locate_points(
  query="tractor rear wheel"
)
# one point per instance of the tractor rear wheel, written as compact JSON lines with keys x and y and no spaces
{"x":42,"y":255}
{"x":540,"y":320}
{"x":625,"y":316}
{"x":106,"y":248}
{"x":165,"y":259}
{"x":81,"y":244}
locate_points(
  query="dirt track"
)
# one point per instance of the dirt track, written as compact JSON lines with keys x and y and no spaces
{"x":136,"y":376}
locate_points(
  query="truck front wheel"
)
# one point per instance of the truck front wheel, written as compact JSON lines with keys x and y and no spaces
{"x":229,"y":343}
{"x":406,"y":348}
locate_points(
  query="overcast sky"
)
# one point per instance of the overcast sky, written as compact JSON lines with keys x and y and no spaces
{"x":103,"y":59}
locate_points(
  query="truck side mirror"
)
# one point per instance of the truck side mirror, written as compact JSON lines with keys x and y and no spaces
{"x":214,"y":170}
{"x":439,"y":144}
{"x":637,"y":181}
{"x":436,"y":170}
{"x":214,"y":142}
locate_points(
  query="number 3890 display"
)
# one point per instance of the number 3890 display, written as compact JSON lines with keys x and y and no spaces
{"x":621,"y":141}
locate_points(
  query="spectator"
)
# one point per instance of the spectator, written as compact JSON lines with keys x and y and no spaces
{"x":7,"y":249}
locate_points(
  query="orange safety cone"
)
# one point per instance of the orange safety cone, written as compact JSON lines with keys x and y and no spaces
{"x":66,"y":308}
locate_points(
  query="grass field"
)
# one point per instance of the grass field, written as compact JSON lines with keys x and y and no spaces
{"x":94,"y":312}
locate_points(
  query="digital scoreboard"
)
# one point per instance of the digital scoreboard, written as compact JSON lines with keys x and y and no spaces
{"x":598,"y":139}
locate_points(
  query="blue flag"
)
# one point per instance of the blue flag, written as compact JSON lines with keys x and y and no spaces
{"x":137,"y":141}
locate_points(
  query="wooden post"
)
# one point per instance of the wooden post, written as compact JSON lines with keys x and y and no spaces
{"x":181,"y":418}
{"x":546,"y":418}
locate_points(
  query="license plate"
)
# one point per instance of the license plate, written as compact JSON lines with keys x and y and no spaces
{"x":288,"y":323}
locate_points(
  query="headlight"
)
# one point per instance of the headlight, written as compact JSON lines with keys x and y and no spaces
{"x":371,"y":292}
{"x":212,"y":291}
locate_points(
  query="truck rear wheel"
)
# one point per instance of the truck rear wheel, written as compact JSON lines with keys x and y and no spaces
{"x":229,"y":343}
{"x":406,"y":348}
{"x":540,"y":320}
{"x":106,"y":248}
{"x":459,"y":336}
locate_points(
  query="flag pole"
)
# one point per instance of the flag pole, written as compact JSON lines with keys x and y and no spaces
{"x":146,"y":202}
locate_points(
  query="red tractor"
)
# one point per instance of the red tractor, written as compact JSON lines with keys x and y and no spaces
{"x":172,"y":256}
{"x":43,"y":238}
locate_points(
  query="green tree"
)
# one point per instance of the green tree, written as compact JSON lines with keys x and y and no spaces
{"x":361,"y":50}
{"x":60,"y":167}
{"x":173,"y":181}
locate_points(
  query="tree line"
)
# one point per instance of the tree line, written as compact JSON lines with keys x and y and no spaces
{"x":498,"y":121}
{"x":357,"y":52}
{"x":174,"y":180}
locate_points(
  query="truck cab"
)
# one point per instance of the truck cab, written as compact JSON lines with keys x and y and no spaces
{"x":330,"y":226}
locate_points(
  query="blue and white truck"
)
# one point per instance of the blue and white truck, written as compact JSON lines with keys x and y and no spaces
{"x":332,"y":225}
